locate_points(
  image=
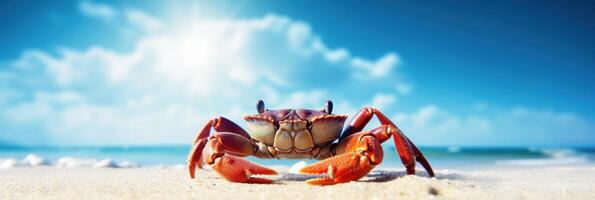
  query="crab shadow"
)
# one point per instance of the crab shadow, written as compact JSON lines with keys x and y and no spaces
{"x":380,"y":175}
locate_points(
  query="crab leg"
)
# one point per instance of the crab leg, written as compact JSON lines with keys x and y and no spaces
{"x":222,"y":150}
{"x":364,"y":153}
{"x":408,"y":152}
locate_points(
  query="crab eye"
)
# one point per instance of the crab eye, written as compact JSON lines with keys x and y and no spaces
{"x":260,"y":106}
{"x":329,"y":107}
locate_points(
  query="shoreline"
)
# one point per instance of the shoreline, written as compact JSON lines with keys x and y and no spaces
{"x":168,"y":183}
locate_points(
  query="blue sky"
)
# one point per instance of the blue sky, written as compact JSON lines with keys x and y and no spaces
{"x":504,"y":73}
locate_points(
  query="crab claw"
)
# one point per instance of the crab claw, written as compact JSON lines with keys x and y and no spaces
{"x":239,"y":170}
{"x":349,"y":166}
{"x":340,"y":169}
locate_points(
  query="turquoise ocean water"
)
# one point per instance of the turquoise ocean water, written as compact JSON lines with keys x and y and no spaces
{"x":439,"y":157}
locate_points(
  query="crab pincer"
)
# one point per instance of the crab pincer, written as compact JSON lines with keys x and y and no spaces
{"x":239,"y":170}
{"x":349,"y":166}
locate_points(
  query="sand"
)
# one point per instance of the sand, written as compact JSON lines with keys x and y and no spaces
{"x":170,"y":183}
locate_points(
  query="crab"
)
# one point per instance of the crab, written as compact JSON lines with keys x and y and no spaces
{"x":345,"y":154}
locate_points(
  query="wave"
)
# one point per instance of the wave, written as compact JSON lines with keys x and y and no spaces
{"x":453,"y":149}
{"x":33,"y":160}
{"x":553,"y":157}
{"x":543,"y":162}
{"x":174,"y":155}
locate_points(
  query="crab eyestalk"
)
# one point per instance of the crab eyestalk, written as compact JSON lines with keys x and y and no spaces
{"x":329,"y":107}
{"x":260,"y":106}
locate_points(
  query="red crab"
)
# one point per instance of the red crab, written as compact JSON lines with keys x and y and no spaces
{"x":301,"y":134}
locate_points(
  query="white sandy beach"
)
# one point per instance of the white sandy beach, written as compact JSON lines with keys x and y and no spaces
{"x":169,"y":183}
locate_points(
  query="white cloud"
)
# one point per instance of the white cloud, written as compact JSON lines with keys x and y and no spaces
{"x":300,"y":37}
{"x":173,"y":80}
{"x":404,"y":88}
{"x":383,"y":101}
{"x":377,"y":69}
{"x":304,"y":41}
{"x":490,"y":126}
{"x":98,"y":10}
{"x":144,"y":21}
{"x":337,"y":55}
{"x":305,"y":99}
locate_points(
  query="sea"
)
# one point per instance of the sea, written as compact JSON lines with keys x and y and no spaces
{"x":449,"y":157}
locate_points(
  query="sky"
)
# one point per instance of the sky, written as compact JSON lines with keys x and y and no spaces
{"x":471,"y":73}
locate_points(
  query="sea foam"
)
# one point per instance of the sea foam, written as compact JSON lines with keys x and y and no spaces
{"x":8,"y":163}
{"x":295,"y":168}
{"x":33,"y":160}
